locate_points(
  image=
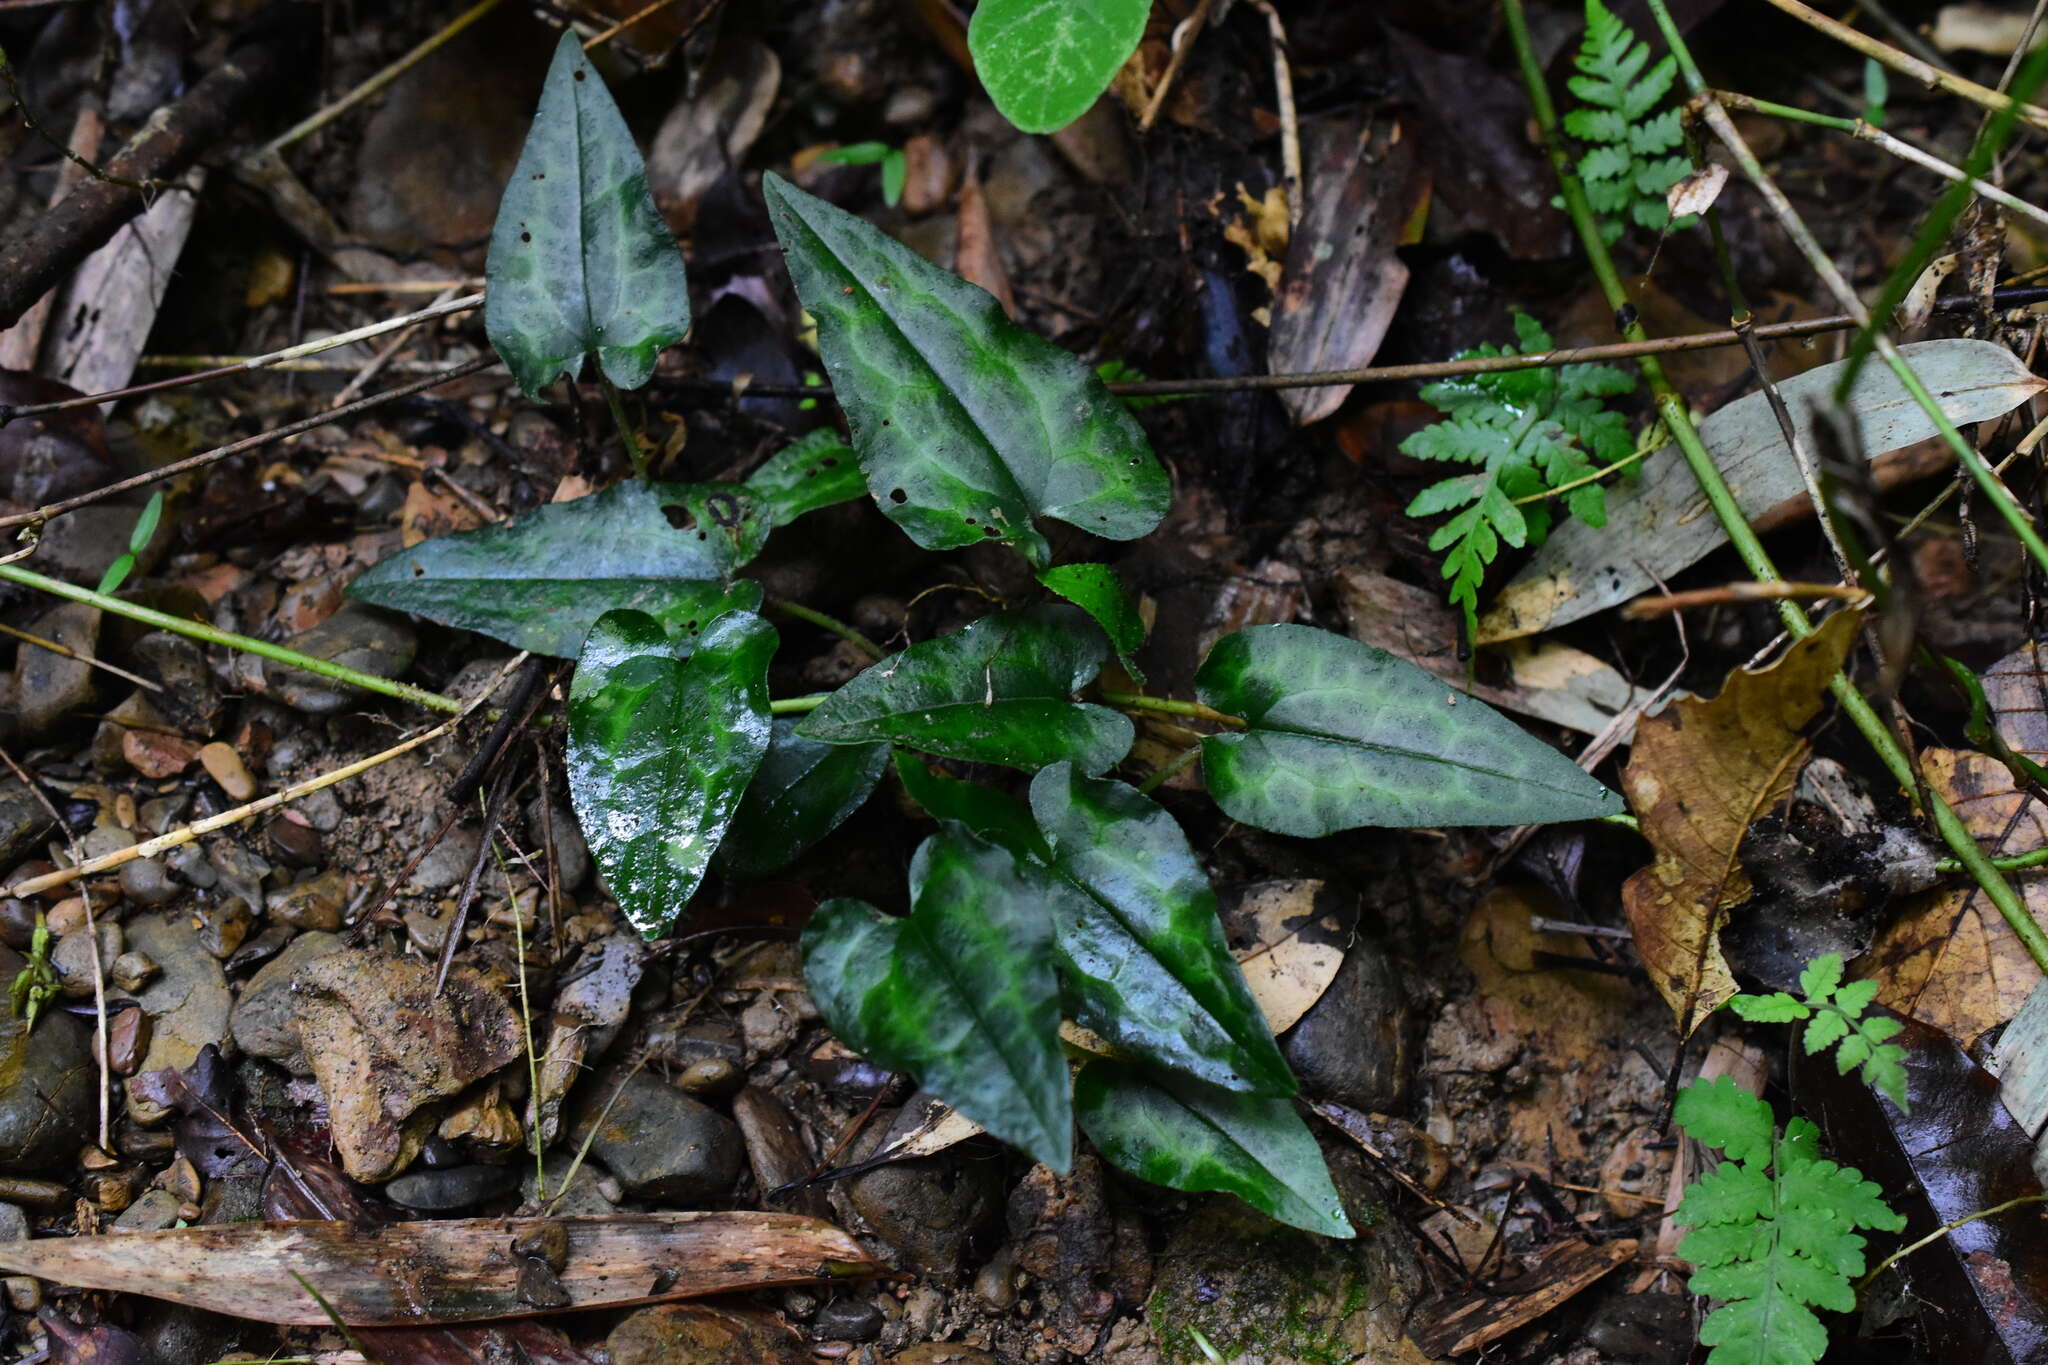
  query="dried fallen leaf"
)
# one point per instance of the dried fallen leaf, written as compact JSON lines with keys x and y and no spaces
{"x":456,"y":1270}
{"x":1290,"y":939}
{"x":1699,"y":775}
{"x":1697,"y":192}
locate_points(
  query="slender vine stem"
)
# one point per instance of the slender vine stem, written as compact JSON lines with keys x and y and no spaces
{"x":1886,"y":55}
{"x":1167,"y":706}
{"x":831,"y":623}
{"x":625,"y":426}
{"x":1944,"y":1230}
{"x":199,"y":630}
{"x":1678,"y":421}
{"x":797,"y":706}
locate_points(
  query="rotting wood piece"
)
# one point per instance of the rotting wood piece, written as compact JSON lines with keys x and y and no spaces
{"x":453,"y":1270}
{"x":37,"y":260}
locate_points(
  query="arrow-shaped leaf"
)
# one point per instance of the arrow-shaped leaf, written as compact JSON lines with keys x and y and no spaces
{"x":1340,"y":734}
{"x":1188,"y":1136}
{"x":660,"y":749}
{"x":1141,"y":945}
{"x":999,"y":691}
{"x":541,"y":581}
{"x":959,"y":994}
{"x":1044,"y":62}
{"x":968,"y":426}
{"x":580,"y":258}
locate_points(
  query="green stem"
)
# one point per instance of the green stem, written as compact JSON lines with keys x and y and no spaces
{"x":831,"y":623}
{"x":2010,"y":862}
{"x":199,"y":630}
{"x":1161,"y":776}
{"x":1944,"y":1230}
{"x":625,"y":426}
{"x":1678,"y":421}
{"x":1167,"y":706}
{"x":797,"y":706}
{"x":1624,"y":819}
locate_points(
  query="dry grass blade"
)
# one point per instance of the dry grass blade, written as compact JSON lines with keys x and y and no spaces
{"x":457,"y":1270}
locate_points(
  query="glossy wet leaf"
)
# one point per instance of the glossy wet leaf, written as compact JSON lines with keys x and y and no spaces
{"x":660,"y":750}
{"x":1341,"y":735}
{"x":1141,"y":946}
{"x":1189,"y":1136}
{"x":802,"y":791}
{"x":968,"y":426}
{"x":817,"y":470}
{"x":1044,"y":62}
{"x":960,"y":993}
{"x":999,"y":691}
{"x":996,"y":816}
{"x":580,"y":258}
{"x":1094,"y":589}
{"x":539,"y":582}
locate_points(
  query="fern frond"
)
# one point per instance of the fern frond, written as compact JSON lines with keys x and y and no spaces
{"x":1529,"y":431}
{"x":1834,"y":1015}
{"x":1776,"y":1229}
{"x":1627,"y":165}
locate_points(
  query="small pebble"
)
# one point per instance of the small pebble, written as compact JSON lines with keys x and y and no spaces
{"x":549,"y":1242}
{"x":131,"y":971}
{"x":24,"y":1295}
{"x":148,"y":881}
{"x":226,"y":767}
{"x":455,"y":1187}
{"x":712,"y":1076}
{"x":540,"y":1286}
{"x":128,"y":1034}
{"x":17,"y":923}
{"x":67,"y":916}
{"x":848,"y":1319}
{"x":189,"y":861}
{"x":296,"y":845}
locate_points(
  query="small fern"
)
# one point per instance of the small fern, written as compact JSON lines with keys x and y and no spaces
{"x":1630,"y":161}
{"x":1835,"y":1015}
{"x":1776,"y":1229}
{"x":1529,"y":431}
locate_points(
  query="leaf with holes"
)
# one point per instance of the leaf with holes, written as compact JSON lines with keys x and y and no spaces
{"x":1188,"y":1136}
{"x":1141,"y":946}
{"x":1339,"y":735}
{"x":540,"y":582}
{"x":660,"y":749}
{"x":959,"y":994}
{"x":802,"y":792}
{"x":1043,"y":62}
{"x":815,"y":471}
{"x":580,"y":258}
{"x":1000,"y":691}
{"x":967,"y":426}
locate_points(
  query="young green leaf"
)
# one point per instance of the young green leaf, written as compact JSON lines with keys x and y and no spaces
{"x":1188,"y":1136}
{"x":1776,"y":1229}
{"x":539,"y":582}
{"x":138,"y":540}
{"x":1632,"y":157}
{"x":1140,"y":942}
{"x":968,"y":426}
{"x":1340,"y":734}
{"x":802,"y":791}
{"x":1529,"y":430}
{"x":660,"y":749}
{"x":816,"y":470}
{"x":1835,"y":1015}
{"x":960,"y":993}
{"x":1044,"y":62}
{"x":999,"y":691}
{"x":1094,"y":589}
{"x":580,"y":258}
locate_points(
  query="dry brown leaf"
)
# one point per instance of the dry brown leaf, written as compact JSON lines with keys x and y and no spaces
{"x":1290,"y":942}
{"x":428,"y":515}
{"x":1262,"y":236}
{"x":454,"y":1270}
{"x":1699,"y":775}
{"x":1951,"y":961}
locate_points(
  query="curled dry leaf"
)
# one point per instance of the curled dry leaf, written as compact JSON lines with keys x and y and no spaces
{"x":454,"y":1270}
{"x":1697,"y":192}
{"x":1699,"y":775}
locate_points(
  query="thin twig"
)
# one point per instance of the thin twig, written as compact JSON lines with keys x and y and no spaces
{"x":384,"y":357}
{"x":67,"y":652}
{"x":320,"y":118}
{"x":620,"y":27}
{"x":1184,"y":42}
{"x":1944,"y":1230}
{"x":1645,"y":608}
{"x":1886,"y":55}
{"x":145,"y":187}
{"x":1290,"y":125}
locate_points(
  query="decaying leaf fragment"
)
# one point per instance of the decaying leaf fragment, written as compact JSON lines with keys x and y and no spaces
{"x":1699,"y":775}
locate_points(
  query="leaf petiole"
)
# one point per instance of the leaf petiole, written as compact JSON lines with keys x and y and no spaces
{"x":625,"y":426}
{"x":1193,"y":710}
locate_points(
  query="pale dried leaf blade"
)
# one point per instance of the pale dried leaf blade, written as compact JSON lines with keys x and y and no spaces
{"x":1699,"y":775}
{"x":456,"y":1270}
{"x":1663,"y":525}
{"x":1697,"y":192}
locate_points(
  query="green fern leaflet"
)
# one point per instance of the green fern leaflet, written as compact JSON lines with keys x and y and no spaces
{"x":1529,"y":431}
{"x":1834,"y":1015}
{"x":1630,"y":161}
{"x":1776,"y":1229}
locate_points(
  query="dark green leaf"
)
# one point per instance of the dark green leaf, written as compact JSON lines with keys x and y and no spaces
{"x":580,"y":258}
{"x":815,"y":471}
{"x":1094,"y":589}
{"x":999,"y":691}
{"x":960,"y":994}
{"x":996,"y":816}
{"x":1145,"y":963}
{"x":1342,"y":735}
{"x":539,"y":582}
{"x":1189,"y":1136}
{"x":1044,"y":62}
{"x":967,"y":425}
{"x":802,"y":792}
{"x":660,"y":749}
